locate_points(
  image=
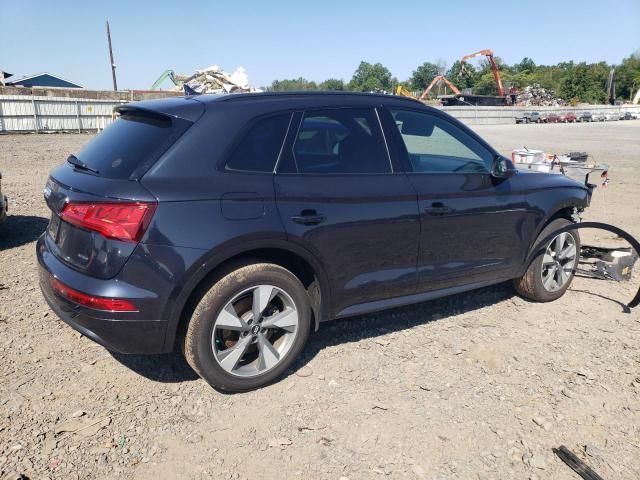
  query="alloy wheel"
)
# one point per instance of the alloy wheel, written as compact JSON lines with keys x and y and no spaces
{"x":559,"y":262}
{"x":254,"y":331}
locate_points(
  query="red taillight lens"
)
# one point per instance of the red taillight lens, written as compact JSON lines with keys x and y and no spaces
{"x":97,"y":303}
{"x":121,"y":221}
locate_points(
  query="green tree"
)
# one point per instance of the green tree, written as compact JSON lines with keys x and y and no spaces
{"x":371,"y":78}
{"x":628,"y":77}
{"x":422,"y":76}
{"x":585,"y":83}
{"x":292,"y":84}
{"x":460,"y":80}
{"x":526,"y":65}
{"x":332,"y":84}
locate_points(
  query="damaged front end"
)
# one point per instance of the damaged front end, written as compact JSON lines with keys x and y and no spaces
{"x":604,"y":263}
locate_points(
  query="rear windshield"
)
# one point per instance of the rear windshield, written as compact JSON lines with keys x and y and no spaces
{"x":131,"y":144}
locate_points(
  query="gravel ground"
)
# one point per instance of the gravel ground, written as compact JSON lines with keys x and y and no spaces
{"x":475,"y":386}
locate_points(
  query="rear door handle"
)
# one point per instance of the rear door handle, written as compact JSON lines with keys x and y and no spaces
{"x":437,"y":208}
{"x":309,"y":217}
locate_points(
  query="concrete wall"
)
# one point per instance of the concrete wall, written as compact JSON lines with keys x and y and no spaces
{"x":499,"y":115}
{"x":81,"y":93}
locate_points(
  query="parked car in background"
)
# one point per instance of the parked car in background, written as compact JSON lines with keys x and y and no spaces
{"x":628,"y":116}
{"x":568,"y":117}
{"x":552,"y":117}
{"x":229,"y":227}
{"x":4,"y":203}
{"x":598,"y":117}
{"x":528,"y":117}
{"x":585,"y":117}
{"x":612,"y":117}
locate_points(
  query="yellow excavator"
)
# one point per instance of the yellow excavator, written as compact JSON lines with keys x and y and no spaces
{"x":404,"y":92}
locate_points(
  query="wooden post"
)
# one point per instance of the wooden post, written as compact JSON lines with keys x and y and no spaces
{"x":113,"y":65}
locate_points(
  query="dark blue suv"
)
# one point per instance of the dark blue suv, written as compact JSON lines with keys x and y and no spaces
{"x":230,"y":226}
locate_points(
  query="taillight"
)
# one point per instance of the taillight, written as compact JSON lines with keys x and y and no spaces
{"x":121,"y":221}
{"x":97,"y":303}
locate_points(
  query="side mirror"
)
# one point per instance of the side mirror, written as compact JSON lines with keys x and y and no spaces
{"x":501,"y":167}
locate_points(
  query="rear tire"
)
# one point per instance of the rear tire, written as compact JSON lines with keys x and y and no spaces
{"x":550,"y":273}
{"x":248,"y":328}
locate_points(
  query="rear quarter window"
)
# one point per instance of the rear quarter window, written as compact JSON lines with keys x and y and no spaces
{"x":259,"y":147}
{"x":132,"y":143}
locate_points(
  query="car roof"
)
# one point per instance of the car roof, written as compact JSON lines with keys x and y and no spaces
{"x":192,"y":106}
{"x":310,"y":99}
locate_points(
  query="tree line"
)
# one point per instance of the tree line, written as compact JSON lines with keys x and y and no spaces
{"x":574,"y":82}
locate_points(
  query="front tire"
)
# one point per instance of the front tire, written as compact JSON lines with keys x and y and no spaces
{"x":550,"y":273}
{"x":248,"y":328}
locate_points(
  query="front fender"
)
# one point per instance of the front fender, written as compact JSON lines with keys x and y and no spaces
{"x":550,"y":202}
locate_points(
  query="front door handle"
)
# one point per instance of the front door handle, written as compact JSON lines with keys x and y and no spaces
{"x":437,"y":208}
{"x":309,"y":217}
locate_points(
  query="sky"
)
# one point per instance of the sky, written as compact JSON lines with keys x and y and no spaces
{"x":312,"y":39}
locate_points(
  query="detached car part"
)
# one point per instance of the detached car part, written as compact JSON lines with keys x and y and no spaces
{"x":614,"y":264}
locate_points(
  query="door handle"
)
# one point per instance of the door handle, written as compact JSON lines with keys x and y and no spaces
{"x":309,"y":217}
{"x":437,"y":208}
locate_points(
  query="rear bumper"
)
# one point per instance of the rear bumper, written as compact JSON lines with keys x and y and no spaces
{"x":116,"y":331}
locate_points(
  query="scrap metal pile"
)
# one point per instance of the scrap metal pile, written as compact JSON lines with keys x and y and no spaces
{"x":537,"y":96}
{"x":214,"y":80}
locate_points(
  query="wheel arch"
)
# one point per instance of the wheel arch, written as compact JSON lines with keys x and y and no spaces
{"x":568,"y":208}
{"x":294,"y":258}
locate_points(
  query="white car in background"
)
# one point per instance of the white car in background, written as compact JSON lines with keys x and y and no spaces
{"x":612,"y":117}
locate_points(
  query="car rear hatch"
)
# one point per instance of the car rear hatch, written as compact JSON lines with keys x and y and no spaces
{"x":100,"y":211}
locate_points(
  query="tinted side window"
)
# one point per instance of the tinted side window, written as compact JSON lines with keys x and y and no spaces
{"x":435,"y":145}
{"x":346,"y":140}
{"x":259,"y":148}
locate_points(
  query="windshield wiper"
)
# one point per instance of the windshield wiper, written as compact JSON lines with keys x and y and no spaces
{"x":80,"y":165}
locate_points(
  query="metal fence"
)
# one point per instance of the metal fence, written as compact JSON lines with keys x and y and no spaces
{"x":26,"y":113}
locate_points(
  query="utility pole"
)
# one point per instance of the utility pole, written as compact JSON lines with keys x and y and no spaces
{"x":113,"y":65}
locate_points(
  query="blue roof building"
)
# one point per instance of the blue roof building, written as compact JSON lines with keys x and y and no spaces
{"x":42,"y":80}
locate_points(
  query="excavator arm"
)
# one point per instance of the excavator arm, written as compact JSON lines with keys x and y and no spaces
{"x":494,"y":67}
{"x":437,"y":79}
{"x":170,"y":74}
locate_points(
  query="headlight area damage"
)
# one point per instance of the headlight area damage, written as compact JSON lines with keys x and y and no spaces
{"x":603,"y":263}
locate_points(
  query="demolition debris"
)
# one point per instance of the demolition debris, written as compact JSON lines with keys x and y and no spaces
{"x":536,"y":96}
{"x":214,"y":80}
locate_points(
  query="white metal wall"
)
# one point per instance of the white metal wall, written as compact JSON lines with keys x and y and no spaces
{"x":26,"y":113}
{"x":23,"y":113}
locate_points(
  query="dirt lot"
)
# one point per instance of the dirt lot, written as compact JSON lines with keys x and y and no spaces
{"x":476,"y":386}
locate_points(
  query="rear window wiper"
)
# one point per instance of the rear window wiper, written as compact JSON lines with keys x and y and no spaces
{"x":80,"y":165}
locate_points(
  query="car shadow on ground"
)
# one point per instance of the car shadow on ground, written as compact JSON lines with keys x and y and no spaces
{"x":172,"y":368}
{"x":354,"y":329}
{"x":18,"y":230}
{"x":165,"y":368}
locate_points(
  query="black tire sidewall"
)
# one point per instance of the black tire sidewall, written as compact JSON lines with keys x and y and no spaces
{"x":540,"y":292}
{"x":225,"y":290}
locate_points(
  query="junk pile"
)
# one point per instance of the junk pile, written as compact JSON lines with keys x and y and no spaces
{"x":537,"y":96}
{"x":576,"y":165}
{"x":214,"y":80}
